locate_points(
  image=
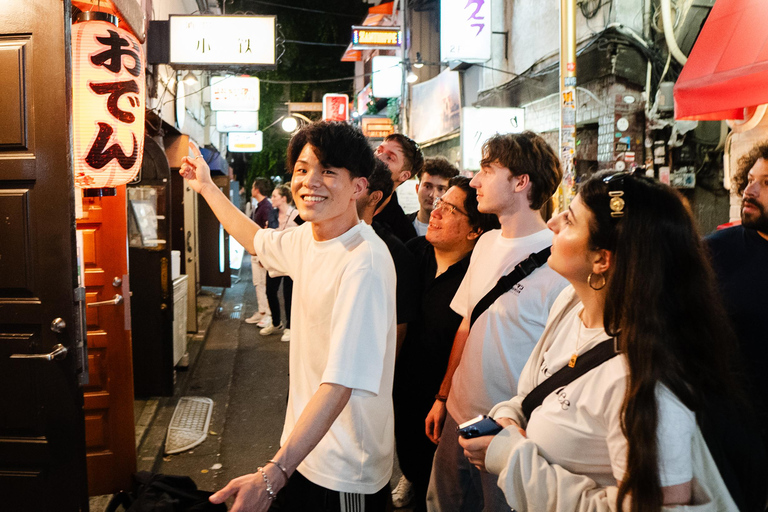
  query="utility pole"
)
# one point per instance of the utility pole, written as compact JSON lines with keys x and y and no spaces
{"x":567,"y":189}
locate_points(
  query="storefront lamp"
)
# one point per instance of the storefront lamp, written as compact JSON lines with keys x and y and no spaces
{"x":108,"y":89}
{"x":190,"y":78}
{"x":412,"y":77}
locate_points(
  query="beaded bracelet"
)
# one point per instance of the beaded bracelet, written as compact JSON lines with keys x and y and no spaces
{"x":280,"y":467}
{"x":270,"y":491}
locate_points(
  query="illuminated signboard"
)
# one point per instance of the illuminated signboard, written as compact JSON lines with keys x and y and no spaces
{"x":371,"y":38}
{"x":245,"y":142}
{"x":108,"y":104}
{"x":206,"y":42}
{"x":233,"y":121}
{"x":376,"y":127}
{"x":465,"y":30}
{"x":386,"y":76}
{"x":480,"y":124}
{"x":235,"y":93}
{"x":336,"y":107}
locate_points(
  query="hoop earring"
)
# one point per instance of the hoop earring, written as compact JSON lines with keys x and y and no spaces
{"x":591,"y":285}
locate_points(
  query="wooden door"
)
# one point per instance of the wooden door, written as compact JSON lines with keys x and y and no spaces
{"x":109,"y":423}
{"x":42,"y":447}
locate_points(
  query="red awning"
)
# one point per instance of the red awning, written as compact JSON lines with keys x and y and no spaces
{"x":727,"y":69}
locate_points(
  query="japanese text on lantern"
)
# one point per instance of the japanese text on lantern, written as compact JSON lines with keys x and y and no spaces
{"x":108,"y":89}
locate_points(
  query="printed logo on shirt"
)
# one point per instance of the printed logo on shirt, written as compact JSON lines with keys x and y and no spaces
{"x":561,"y":397}
{"x":517,"y":288}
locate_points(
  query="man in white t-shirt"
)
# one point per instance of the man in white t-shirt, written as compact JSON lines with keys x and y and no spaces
{"x":433,"y":183}
{"x":338,"y":440}
{"x":519,"y":173}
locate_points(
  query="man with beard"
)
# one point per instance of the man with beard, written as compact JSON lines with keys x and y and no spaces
{"x":740,"y":257}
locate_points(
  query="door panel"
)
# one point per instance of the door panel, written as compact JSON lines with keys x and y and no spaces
{"x":109,"y":423}
{"x":42,"y":443}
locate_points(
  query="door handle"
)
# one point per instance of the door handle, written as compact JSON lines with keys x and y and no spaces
{"x":59,"y":351}
{"x":114,"y":301}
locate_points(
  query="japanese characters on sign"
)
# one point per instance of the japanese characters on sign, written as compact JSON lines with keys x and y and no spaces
{"x":336,"y":107}
{"x":215,"y":41}
{"x":244,"y":142}
{"x":108,"y":104}
{"x":371,"y":38}
{"x":235,"y":93}
{"x":465,"y":30}
{"x":377,"y":127}
{"x":234,"y":121}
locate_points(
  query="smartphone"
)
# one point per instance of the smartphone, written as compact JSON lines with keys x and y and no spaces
{"x":477,"y":427}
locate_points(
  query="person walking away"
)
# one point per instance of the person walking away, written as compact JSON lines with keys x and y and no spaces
{"x":260,"y":190}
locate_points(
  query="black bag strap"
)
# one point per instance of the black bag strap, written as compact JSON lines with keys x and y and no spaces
{"x":507,"y":282}
{"x":589,"y":360}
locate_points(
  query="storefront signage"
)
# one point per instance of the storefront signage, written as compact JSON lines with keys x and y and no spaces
{"x":244,"y":142}
{"x":480,"y":124}
{"x":465,"y":30}
{"x":209,"y":42}
{"x":376,"y":127}
{"x":435,"y":107}
{"x":372,"y":38}
{"x":108,"y":104}
{"x":234,"y":121}
{"x":335,"y":107}
{"x":386,"y":76}
{"x":235,"y":93}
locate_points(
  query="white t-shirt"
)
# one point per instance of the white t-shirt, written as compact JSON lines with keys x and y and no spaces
{"x":421,"y":227}
{"x":503,"y":337}
{"x":578,"y":426}
{"x":342,"y":332}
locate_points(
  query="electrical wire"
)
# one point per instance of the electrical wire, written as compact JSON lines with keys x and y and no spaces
{"x":314,"y":43}
{"x":281,"y":6}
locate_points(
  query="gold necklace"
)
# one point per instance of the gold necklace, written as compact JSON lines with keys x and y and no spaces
{"x":575,"y":356}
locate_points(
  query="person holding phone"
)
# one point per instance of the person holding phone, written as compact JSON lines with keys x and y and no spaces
{"x":624,"y":435}
{"x":338,"y":440}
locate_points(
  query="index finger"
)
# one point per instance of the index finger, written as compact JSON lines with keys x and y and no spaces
{"x":195,"y":151}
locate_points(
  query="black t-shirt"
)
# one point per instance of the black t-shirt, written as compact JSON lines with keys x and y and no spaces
{"x":423,"y":359}
{"x":740,"y":261}
{"x":405,"y":268}
{"x":394,"y":217}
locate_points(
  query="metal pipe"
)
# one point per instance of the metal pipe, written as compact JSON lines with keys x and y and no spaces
{"x":669,"y":32}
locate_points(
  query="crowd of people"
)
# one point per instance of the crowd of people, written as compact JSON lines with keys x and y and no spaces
{"x":619,"y":354}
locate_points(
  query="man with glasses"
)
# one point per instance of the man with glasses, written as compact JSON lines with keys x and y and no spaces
{"x":442,"y":258}
{"x":404,"y":159}
{"x":519,"y":173}
{"x":433,"y":183}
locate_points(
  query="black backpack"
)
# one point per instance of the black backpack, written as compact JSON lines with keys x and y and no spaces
{"x":163,"y":493}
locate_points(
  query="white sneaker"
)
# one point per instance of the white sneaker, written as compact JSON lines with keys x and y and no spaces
{"x":270,"y":329}
{"x":264,"y":322}
{"x":286,"y":335}
{"x":255,"y":317}
{"x":403,"y":493}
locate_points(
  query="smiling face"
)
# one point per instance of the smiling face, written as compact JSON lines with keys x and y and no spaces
{"x":450,"y":230}
{"x":324,"y":195}
{"x":571,"y":255}
{"x":430,"y":188}
{"x":391,"y":153}
{"x":754,"y":204}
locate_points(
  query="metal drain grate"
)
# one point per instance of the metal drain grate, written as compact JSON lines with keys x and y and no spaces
{"x":189,"y":425}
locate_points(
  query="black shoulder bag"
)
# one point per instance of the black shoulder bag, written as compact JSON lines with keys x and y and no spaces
{"x":507,"y":282}
{"x":589,"y":360}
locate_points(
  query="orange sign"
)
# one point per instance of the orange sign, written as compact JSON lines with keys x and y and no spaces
{"x":108,"y":104}
{"x":377,"y":127}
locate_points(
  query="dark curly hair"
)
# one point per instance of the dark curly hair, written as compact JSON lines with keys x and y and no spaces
{"x":746,"y":162}
{"x":526,"y":153}
{"x":438,"y":166}
{"x":335,"y":144}
{"x":480,"y":222}
{"x":381,"y":180}
{"x":411,"y":151}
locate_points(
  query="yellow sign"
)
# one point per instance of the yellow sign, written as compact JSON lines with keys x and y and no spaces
{"x":377,"y":127}
{"x":376,"y":37}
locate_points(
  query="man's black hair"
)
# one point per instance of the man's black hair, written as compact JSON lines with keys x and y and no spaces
{"x":481,"y":222}
{"x":381,"y":180}
{"x":335,"y":144}
{"x":264,"y":186}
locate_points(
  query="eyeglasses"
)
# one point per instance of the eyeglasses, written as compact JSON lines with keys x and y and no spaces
{"x":439,"y":204}
{"x":615,"y":183}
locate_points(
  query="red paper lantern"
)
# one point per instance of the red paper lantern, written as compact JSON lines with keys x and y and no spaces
{"x":108,"y":103}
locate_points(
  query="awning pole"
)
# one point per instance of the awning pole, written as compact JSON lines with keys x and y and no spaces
{"x":567,"y":189}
